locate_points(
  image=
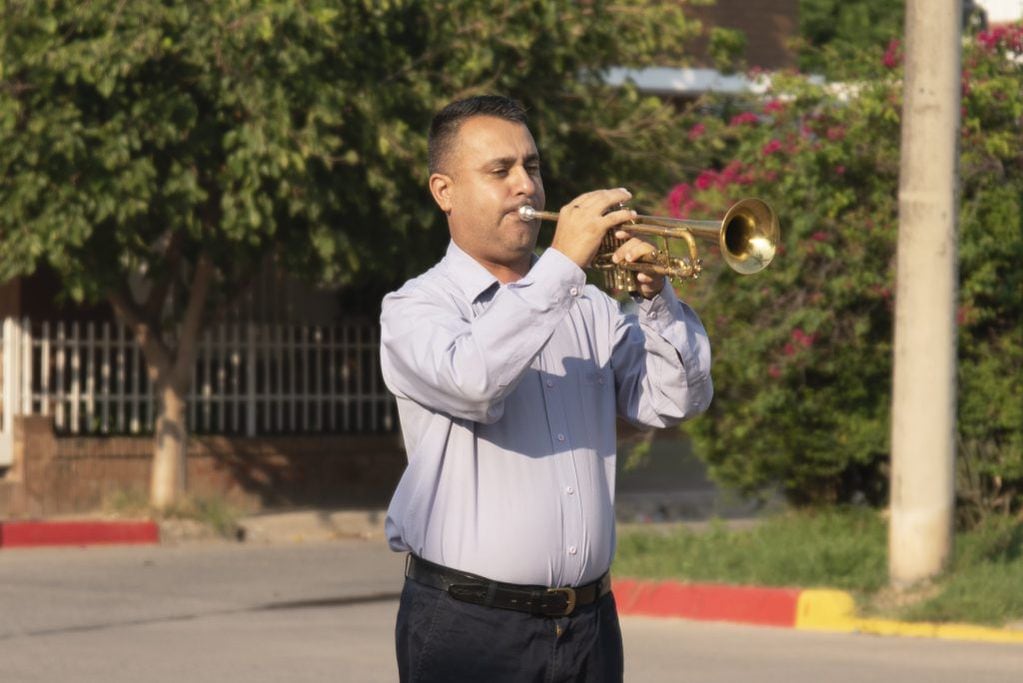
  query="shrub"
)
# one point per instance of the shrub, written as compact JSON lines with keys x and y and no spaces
{"x":803,"y":350}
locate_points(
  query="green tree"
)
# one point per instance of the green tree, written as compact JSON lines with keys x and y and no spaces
{"x":154,"y":153}
{"x":833,"y":31}
{"x":803,"y":349}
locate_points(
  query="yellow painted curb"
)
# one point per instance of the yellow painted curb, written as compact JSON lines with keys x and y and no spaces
{"x":825,"y":610}
{"x":835,"y":611}
{"x":924,"y":629}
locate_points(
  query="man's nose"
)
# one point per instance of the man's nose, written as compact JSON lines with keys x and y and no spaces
{"x":524,"y":182}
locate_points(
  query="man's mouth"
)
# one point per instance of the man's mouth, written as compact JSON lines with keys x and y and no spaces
{"x":525,"y":212}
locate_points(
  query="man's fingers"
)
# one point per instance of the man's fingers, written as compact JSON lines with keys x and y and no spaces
{"x":632,"y":250}
{"x":599,"y":200}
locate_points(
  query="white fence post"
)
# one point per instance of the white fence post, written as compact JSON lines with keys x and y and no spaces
{"x":251,"y":359}
{"x":10,"y":376}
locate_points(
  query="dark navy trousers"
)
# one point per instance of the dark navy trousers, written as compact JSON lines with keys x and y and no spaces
{"x":443,"y":640}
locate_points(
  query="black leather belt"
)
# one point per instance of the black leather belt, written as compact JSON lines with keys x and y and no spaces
{"x":538,"y":600}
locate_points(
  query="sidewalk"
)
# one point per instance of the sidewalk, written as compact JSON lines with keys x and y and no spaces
{"x":809,"y":609}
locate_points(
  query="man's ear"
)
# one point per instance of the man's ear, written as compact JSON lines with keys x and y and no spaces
{"x":441,"y":187}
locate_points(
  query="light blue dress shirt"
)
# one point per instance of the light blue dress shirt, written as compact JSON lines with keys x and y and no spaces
{"x":507,"y":396}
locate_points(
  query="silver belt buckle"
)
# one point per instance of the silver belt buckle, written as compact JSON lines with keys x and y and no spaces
{"x":569,"y":597}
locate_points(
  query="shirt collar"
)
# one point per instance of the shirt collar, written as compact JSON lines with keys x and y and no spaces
{"x":472,"y":278}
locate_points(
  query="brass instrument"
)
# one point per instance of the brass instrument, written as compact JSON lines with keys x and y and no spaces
{"x":747,"y":236}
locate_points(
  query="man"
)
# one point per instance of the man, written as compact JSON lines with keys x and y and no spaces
{"x":509,"y":371}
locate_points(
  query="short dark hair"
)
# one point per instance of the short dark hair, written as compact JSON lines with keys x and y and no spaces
{"x":448,"y":120}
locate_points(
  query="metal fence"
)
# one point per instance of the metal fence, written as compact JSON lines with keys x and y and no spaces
{"x":249,"y":379}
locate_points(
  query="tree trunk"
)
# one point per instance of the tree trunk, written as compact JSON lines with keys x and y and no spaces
{"x":170,"y":361}
{"x":167,"y":482}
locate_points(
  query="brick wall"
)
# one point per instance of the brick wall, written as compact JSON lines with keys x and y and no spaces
{"x":53,"y":476}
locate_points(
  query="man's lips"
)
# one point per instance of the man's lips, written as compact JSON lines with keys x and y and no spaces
{"x":518,"y":215}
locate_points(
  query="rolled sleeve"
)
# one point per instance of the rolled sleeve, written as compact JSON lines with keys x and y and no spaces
{"x":662,"y":362}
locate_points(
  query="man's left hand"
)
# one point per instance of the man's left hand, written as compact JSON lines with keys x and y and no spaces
{"x":633,"y":250}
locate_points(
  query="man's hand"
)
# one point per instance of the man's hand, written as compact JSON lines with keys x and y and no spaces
{"x":583,"y":222}
{"x":633,"y":250}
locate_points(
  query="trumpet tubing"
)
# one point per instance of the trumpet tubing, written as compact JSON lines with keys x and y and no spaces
{"x":747,"y":236}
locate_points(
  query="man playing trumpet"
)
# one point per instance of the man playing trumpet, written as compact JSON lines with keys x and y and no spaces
{"x":509,"y":372}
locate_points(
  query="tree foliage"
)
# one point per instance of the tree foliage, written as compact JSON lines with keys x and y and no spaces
{"x":155,"y":152}
{"x":251,"y":125}
{"x":832,"y":31}
{"x":803,"y":350}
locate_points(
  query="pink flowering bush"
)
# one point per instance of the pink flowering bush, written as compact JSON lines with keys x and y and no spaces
{"x":803,"y":350}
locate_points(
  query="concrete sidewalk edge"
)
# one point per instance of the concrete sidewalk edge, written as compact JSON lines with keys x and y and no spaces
{"x":804,"y":609}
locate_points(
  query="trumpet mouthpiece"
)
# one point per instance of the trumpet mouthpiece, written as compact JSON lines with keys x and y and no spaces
{"x":527,"y":213}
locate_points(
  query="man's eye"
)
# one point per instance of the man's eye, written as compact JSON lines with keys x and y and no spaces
{"x":533,"y":169}
{"x":500,"y":172}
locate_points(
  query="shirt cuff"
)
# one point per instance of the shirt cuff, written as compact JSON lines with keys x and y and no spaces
{"x":678,"y":324}
{"x":660,"y":311}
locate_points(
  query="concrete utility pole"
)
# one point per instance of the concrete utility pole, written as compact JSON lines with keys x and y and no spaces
{"x":924,"y":380}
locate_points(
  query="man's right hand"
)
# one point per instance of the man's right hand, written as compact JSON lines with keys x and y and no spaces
{"x":583,"y":222}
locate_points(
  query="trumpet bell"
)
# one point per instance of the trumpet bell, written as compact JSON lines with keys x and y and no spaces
{"x":749,"y":236}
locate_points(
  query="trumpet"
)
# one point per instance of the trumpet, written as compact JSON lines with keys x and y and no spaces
{"x":747,"y":237}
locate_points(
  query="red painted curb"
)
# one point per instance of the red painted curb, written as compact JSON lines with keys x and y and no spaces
{"x":52,"y":533}
{"x":707,"y":602}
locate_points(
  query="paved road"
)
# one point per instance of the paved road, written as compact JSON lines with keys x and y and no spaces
{"x":325,"y":611}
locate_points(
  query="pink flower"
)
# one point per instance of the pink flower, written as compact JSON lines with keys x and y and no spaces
{"x":689,"y":208}
{"x":697,"y":131}
{"x":771,"y":147}
{"x":835,"y":133}
{"x":1008,"y":37}
{"x":840,"y":170}
{"x":819,"y":236}
{"x":732,"y":174}
{"x":743,"y":118}
{"x":964,"y":314}
{"x":706,"y":180}
{"x":773,"y":106}
{"x":679,"y":194}
{"x":802,"y":338}
{"x":965,"y":83}
{"x":774,"y":371}
{"x":893,"y":55}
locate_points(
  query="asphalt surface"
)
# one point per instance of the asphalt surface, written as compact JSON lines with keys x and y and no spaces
{"x":324,"y":611}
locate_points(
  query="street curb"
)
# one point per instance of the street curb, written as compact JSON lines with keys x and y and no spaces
{"x":804,"y":609}
{"x":34,"y":534}
{"x":707,"y":602}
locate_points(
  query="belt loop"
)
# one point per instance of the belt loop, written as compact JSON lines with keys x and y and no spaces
{"x":408,"y":564}
{"x":491,"y":594}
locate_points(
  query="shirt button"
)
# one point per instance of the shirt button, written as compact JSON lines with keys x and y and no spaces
{"x":569,"y":490}
{"x":571,"y":550}
{"x":600,"y":380}
{"x":574,"y":291}
{"x":561,"y":437}
{"x":550,"y":382}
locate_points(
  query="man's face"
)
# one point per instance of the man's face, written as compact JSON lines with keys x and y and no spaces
{"x":491,"y":170}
